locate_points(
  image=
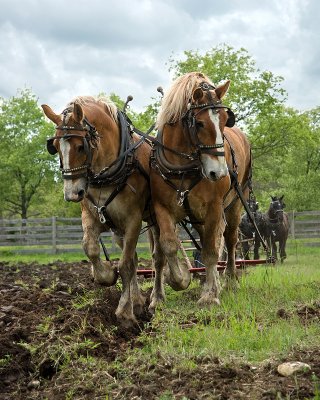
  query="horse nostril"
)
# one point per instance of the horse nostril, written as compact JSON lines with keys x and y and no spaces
{"x":81,"y":193}
{"x":213,"y":175}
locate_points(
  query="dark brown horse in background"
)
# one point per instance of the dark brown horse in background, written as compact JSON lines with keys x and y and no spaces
{"x":278,"y":224}
{"x":248,"y":231}
{"x":196,"y":165}
{"x":106,"y":167}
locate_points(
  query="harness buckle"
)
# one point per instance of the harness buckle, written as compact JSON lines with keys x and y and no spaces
{"x":181,"y":197}
{"x":101,"y":211}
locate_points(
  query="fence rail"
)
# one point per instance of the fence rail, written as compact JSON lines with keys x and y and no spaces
{"x":56,"y":235}
{"x":304,"y":224}
{"x":51,"y":235}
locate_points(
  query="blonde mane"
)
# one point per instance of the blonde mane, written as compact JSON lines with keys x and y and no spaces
{"x":101,"y":99}
{"x":175,"y":101}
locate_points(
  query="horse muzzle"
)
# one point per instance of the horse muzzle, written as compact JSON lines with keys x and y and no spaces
{"x":214,"y":175}
{"x":74,"y":192}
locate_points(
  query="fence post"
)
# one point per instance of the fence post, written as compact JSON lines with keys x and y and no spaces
{"x":54,"y":235}
{"x":292,"y":226}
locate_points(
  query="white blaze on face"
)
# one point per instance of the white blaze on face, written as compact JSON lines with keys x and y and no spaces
{"x":65,"y":151}
{"x":71,"y":188}
{"x":215,"y":168}
{"x":67,"y":183}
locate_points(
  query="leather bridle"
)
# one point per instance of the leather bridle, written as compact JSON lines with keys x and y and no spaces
{"x":196,"y":109}
{"x":90,"y":140}
{"x":274,"y":216}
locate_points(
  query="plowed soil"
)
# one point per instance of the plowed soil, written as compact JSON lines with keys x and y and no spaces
{"x":42,"y":312}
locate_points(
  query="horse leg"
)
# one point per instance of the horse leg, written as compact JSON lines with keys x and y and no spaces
{"x":157,"y":295}
{"x":273,"y":247}
{"x":211,"y":239}
{"x":245,"y":249}
{"x":233,"y":217}
{"x":179,"y":276}
{"x":282,"y":249}
{"x":137,"y":297}
{"x":127,"y":270}
{"x":102,"y":271}
{"x":256,"y":248}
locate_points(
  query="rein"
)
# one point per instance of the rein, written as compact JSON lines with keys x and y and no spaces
{"x":89,"y":142}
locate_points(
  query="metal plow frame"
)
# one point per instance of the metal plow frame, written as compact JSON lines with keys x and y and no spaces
{"x":240,"y":264}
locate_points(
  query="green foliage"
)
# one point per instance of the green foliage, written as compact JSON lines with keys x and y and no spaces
{"x":143,"y":120}
{"x":252,"y":92}
{"x":24,"y":163}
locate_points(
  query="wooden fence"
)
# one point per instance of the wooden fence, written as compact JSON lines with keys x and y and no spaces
{"x":51,"y":235}
{"x":57,"y":235}
{"x":305,"y":224}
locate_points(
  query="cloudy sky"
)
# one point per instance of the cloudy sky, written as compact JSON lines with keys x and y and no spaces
{"x":64,"y":48}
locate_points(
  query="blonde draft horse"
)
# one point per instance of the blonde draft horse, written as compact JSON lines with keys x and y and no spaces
{"x":105,"y":167}
{"x":191,"y":173}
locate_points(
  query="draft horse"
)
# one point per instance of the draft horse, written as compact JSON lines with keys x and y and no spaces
{"x":248,"y":231}
{"x":105,"y":166}
{"x":198,"y":162}
{"x":278,"y":223}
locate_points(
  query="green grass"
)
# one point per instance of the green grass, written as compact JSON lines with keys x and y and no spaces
{"x":258,"y":322}
{"x":247,"y":325}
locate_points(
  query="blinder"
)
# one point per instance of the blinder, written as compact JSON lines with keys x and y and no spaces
{"x":50,"y":147}
{"x":231,"y":118}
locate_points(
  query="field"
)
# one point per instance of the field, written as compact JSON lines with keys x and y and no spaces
{"x":60,"y":339}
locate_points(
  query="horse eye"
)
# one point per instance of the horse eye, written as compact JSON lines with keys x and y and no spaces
{"x":199,"y":124}
{"x":80,"y":148}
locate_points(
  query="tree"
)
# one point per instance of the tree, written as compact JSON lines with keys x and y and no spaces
{"x":143,"y":120}
{"x":24,"y":162}
{"x":252,"y":92}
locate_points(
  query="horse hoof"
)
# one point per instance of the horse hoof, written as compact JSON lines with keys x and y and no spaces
{"x":138,"y":309}
{"x":208,"y":299}
{"x":231,"y":284}
{"x":126,"y":322}
{"x":182,"y":284}
{"x":155,"y":303}
{"x":107,"y":276}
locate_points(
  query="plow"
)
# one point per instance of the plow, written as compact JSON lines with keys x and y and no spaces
{"x":196,"y":267}
{"x":240,"y":264}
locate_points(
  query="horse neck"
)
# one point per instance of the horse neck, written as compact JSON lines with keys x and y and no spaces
{"x":109,"y":142}
{"x":174,"y":137}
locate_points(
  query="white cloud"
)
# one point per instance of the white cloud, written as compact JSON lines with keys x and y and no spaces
{"x":63,"y":49}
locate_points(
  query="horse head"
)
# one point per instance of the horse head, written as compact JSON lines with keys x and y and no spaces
{"x":275,"y":211}
{"x":74,"y":141}
{"x":192,"y":110}
{"x":207,"y":118}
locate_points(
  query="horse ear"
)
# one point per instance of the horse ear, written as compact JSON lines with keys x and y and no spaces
{"x":197,"y":94}
{"x":221,"y":90}
{"x":77,"y":113}
{"x":273,"y":198}
{"x":51,"y":114}
{"x":281,"y":198}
